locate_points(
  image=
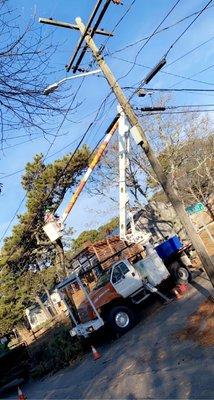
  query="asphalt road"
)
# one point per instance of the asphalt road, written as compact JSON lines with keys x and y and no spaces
{"x":148,"y":362}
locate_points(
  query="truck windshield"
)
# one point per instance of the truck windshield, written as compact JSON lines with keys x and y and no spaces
{"x":103,"y":280}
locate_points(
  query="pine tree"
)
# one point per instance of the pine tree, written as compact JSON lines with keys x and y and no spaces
{"x":28,"y":249}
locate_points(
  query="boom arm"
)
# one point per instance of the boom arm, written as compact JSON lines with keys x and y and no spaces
{"x":90,"y":169}
{"x":54,"y":228}
{"x":125,"y":214}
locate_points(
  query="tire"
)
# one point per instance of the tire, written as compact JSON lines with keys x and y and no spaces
{"x":121,"y":319}
{"x":183,"y":274}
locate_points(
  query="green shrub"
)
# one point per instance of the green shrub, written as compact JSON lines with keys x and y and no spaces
{"x":57,"y":350}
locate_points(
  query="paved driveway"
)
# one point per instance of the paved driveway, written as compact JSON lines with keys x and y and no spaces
{"x":148,"y":362}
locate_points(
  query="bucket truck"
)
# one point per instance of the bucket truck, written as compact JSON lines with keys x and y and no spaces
{"x":123,"y":286}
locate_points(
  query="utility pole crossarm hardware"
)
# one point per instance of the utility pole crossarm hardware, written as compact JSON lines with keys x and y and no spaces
{"x":164,"y":180}
{"x":93,"y":31}
{"x":60,"y":24}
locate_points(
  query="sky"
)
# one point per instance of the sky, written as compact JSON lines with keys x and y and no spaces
{"x":142,"y":17}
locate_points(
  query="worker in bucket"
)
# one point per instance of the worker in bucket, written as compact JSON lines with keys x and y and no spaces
{"x":50,"y":217}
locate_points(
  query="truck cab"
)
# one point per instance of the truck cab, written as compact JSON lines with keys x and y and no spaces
{"x":113,"y":299}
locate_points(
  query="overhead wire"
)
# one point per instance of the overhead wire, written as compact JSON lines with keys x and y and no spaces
{"x":192,"y":76}
{"x":180,"y":106}
{"x":177,"y":90}
{"x":51,"y":155}
{"x":177,"y":112}
{"x":159,"y":31}
{"x":134,"y":63}
{"x":179,"y":37}
{"x":150,"y":37}
{"x":155,"y":32}
{"x":64,"y":147}
{"x":189,"y":52}
{"x":61,"y":174}
{"x":43,"y":159}
{"x":164,"y":72}
{"x":117,"y":24}
{"x":37,"y":230}
{"x":20,"y":143}
{"x":187,"y":28}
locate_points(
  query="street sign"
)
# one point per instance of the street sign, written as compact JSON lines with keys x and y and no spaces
{"x":196,"y":208}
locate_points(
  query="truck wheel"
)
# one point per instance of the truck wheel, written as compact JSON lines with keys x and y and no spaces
{"x":183,"y":273}
{"x":121,"y":319}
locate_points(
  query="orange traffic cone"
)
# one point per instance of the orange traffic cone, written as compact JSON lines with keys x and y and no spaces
{"x":95,"y":353}
{"x":21,"y":395}
{"x":176,"y":293}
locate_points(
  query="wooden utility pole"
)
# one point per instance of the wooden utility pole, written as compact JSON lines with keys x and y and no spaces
{"x":140,"y":137}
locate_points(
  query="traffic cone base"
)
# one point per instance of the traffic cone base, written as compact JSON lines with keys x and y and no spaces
{"x":21,"y":395}
{"x":95,"y":353}
{"x":176,"y":293}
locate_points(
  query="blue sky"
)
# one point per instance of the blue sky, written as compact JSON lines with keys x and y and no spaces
{"x":139,"y":22}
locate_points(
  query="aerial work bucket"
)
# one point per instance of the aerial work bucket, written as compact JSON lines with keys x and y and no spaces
{"x":53,"y":230}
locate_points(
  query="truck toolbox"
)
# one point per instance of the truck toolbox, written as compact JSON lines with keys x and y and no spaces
{"x":169,"y":247}
{"x":152,"y":269}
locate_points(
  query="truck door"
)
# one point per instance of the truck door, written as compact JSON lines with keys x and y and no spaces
{"x":125,"y":279}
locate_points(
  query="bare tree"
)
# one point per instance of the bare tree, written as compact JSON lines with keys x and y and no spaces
{"x":25,"y":71}
{"x":186,"y":148}
{"x":184,"y":145}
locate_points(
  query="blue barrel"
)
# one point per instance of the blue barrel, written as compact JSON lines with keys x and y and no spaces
{"x":169,"y":247}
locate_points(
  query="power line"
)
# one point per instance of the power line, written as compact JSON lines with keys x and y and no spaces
{"x":177,"y":106}
{"x":142,"y":83}
{"x":195,"y":74}
{"x":117,"y":24}
{"x":44,"y":158}
{"x":188,"y":105}
{"x":51,"y":155}
{"x":188,"y":26}
{"x":52,"y":189}
{"x":13,"y":217}
{"x":150,"y":37}
{"x":177,"y":90}
{"x":134,"y":63}
{"x":18,"y":144}
{"x":163,"y":72}
{"x":190,"y":51}
{"x":159,"y":31}
{"x":177,"y":112}
{"x":62,"y":173}
{"x":64,"y":147}
{"x":19,"y":136}
{"x":156,"y":29}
